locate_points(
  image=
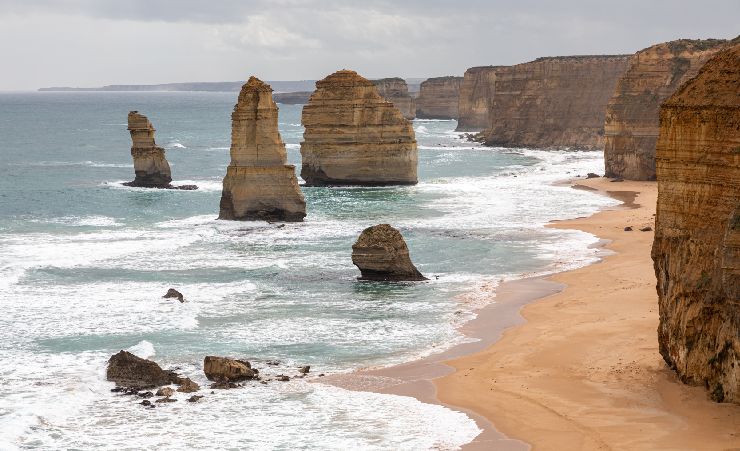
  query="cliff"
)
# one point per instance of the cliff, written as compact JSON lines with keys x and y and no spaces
{"x":553,"y":102}
{"x":355,"y":137}
{"x":150,"y":164}
{"x":438,"y":98}
{"x":397,"y":91}
{"x":476,"y":94}
{"x":259,"y":185}
{"x":696,"y":252}
{"x":631,"y":126}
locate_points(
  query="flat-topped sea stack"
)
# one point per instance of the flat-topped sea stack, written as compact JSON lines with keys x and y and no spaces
{"x":439,"y":98}
{"x":381,"y":254}
{"x":353,"y":136}
{"x":150,"y":164}
{"x":554,"y":102}
{"x":259,"y":184}
{"x":696,"y":251}
{"x":476,"y":94}
{"x":631,"y":127}
{"x":397,"y":91}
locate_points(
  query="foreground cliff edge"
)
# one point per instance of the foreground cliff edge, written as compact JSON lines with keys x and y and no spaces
{"x":259,"y":184}
{"x":697,"y":240}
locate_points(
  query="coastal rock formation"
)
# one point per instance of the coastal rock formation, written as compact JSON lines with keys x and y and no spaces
{"x":476,"y":94}
{"x":397,"y":91}
{"x":259,"y":184}
{"x":696,"y":251}
{"x":381,"y":254}
{"x":150,"y":164}
{"x":174,"y":294}
{"x":439,"y":98}
{"x":631,"y":127}
{"x":355,"y":137}
{"x":226,"y":369}
{"x":128,"y":370}
{"x":553,"y":102}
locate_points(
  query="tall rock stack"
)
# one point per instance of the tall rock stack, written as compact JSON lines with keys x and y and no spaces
{"x":259,"y":184}
{"x":476,"y":94}
{"x":397,"y":91}
{"x":439,"y":98}
{"x":554,"y":102}
{"x":150,"y":164}
{"x":631,"y":127}
{"x":355,"y":137}
{"x":696,"y":251}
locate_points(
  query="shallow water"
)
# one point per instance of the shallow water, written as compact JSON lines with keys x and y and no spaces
{"x":84,"y":262}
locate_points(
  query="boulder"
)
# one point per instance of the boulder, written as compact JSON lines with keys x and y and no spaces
{"x":165,"y":391}
{"x":226,"y":369}
{"x":188,"y":386}
{"x":126,"y":369}
{"x":381,"y":254}
{"x":172,"y":293}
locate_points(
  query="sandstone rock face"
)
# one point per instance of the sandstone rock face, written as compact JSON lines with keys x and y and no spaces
{"x":259,"y":184}
{"x":554,"y":102}
{"x":150,"y":164}
{"x":381,"y":254}
{"x":355,"y":137}
{"x":128,"y":370}
{"x":696,"y":251}
{"x":396,"y":90}
{"x":631,"y":127}
{"x":439,"y":98}
{"x":476,"y":95}
{"x":226,"y":369}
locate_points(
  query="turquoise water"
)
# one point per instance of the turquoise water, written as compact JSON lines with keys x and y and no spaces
{"x":84,"y":262}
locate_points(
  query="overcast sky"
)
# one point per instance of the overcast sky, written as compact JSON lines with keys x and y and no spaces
{"x":98,"y":42}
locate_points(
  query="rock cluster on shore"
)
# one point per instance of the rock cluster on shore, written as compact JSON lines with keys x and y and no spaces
{"x":476,"y":94}
{"x":696,"y":251}
{"x":128,"y":370}
{"x":259,"y":184}
{"x":439,"y":98}
{"x":631,"y":126}
{"x":150,"y":165}
{"x":381,"y":254}
{"x":355,"y":137}
{"x":396,"y":90}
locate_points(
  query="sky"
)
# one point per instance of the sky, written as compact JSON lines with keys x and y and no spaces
{"x":89,"y":43}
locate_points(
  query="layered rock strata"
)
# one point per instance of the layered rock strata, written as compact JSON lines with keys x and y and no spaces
{"x":553,"y":102}
{"x":150,"y":164}
{"x":397,"y":91}
{"x":631,"y":127}
{"x":439,"y":98}
{"x":696,"y":251}
{"x":355,"y":137}
{"x":476,"y":94}
{"x":259,"y":184}
{"x":381,"y":254}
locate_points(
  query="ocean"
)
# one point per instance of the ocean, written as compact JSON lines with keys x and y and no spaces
{"x":84,"y":262}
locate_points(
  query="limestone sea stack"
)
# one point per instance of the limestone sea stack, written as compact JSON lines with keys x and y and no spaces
{"x":631,"y":127}
{"x":439,"y":98}
{"x":553,"y":102}
{"x":397,"y":91}
{"x":353,"y":136}
{"x":381,"y":254}
{"x":696,"y":252}
{"x":259,"y":184}
{"x":150,"y":164}
{"x":476,"y":94}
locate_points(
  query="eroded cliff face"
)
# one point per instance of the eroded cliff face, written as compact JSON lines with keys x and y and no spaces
{"x":397,"y":91}
{"x":353,"y":136}
{"x":439,"y":98}
{"x":476,"y":94}
{"x":554,"y":102}
{"x":631,"y":126}
{"x":259,"y":184}
{"x":696,"y":252}
{"x":150,"y":164}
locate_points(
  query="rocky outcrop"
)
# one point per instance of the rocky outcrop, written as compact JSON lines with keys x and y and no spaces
{"x":292,"y":98}
{"x":381,"y":254}
{"x":395,"y":90}
{"x":259,"y":184}
{"x":476,"y":94}
{"x":150,"y":164}
{"x":631,"y":127}
{"x":696,"y":251}
{"x":174,"y":294}
{"x":553,"y":102}
{"x":128,"y":370}
{"x":355,"y":137}
{"x":439,"y":98}
{"x":226,"y":369}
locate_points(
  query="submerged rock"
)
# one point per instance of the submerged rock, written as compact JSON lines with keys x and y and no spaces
{"x":126,"y":369}
{"x":188,"y":386}
{"x":226,"y":369}
{"x":165,"y":391}
{"x":195,"y":398}
{"x":172,"y":293}
{"x":381,"y":254}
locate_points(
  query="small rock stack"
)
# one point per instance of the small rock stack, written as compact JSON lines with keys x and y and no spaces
{"x":381,"y":254}
{"x":150,"y":164}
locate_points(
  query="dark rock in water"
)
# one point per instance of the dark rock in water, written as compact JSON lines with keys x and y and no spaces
{"x":591,"y":175}
{"x":195,"y":398}
{"x":126,"y":369}
{"x":145,"y":394}
{"x":282,"y":378}
{"x":646,"y":229}
{"x":146,"y":403}
{"x":167,"y":399}
{"x":188,"y":386}
{"x":304,"y":369}
{"x":172,"y":293}
{"x":224,"y":368}
{"x":118,"y":389}
{"x":273,"y":362}
{"x":628,"y":229}
{"x":381,"y":254}
{"x":186,"y":187}
{"x":223,"y":384}
{"x":165,"y":391}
